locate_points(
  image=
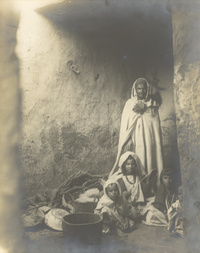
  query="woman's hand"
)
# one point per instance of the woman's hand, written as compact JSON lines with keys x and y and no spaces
{"x":126,"y":194}
{"x":139,"y":108}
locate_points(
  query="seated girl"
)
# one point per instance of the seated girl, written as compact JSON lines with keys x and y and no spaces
{"x":132,"y":179}
{"x":156,"y":214}
{"x":129,"y":176}
{"x":115,"y":209}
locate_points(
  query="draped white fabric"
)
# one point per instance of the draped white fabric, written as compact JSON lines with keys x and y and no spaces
{"x":144,"y":132}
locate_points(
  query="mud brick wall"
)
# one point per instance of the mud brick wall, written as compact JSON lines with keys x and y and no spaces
{"x":78,"y":62}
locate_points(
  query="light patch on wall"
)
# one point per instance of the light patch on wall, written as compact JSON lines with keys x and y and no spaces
{"x":35,"y":46}
{"x":30,"y":5}
{"x":2,"y":250}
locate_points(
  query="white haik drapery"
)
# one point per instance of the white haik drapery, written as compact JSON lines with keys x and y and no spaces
{"x":143,"y":130}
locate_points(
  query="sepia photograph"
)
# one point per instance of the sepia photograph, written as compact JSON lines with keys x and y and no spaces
{"x":100,"y":126}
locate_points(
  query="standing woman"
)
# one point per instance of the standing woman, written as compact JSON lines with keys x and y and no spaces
{"x":140,"y":127}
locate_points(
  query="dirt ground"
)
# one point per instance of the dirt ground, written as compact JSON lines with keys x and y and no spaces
{"x":142,"y":240}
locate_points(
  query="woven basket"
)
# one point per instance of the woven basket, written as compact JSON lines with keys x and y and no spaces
{"x":84,"y":207}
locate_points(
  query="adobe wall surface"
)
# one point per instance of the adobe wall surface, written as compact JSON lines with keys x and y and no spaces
{"x":78,"y":61}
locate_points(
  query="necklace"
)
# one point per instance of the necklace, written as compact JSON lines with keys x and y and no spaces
{"x":129,"y":180}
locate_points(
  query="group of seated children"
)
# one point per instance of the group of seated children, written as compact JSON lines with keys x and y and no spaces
{"x":126,"y":199}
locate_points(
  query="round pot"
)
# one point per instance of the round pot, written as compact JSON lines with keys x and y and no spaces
{"x":83,"y":228}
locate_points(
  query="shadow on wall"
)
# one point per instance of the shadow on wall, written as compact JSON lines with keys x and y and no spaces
{"x":170,"y":147}
{"x":136,"y":35}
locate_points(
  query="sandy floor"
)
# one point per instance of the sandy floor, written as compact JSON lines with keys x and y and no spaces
{"x":142,"y":239}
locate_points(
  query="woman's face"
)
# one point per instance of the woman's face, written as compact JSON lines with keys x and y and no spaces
{"x":130,"y":166}
{"x":141,"y":90}
{"x":167,"y":180}
{"x":112,"y":191}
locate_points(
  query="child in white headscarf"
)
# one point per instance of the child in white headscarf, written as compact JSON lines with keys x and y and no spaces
{"x":114,"y":208}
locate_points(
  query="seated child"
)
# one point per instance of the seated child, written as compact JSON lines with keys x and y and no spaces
{"x":166,"y":195}
{"x":132,"y":180}
{"x":175,"y":214}
{"x":114,"y":208}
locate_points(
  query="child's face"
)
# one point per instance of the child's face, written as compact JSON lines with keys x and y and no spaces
{"x":112,"y":191}
{"x":167,"y":180}
{"x":141,"y":90}
{"x":130,"y":167}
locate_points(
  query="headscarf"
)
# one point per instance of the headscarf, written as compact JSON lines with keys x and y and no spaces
{"x":107,"y":183}
{"x":125,"y":156}
{"x":138,"y":81}
{"x":136,"y":190}
{"x":105,"y":200}
{"x":117,"y":210}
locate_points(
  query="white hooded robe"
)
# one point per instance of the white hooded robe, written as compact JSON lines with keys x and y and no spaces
{"x":143,"y":130}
